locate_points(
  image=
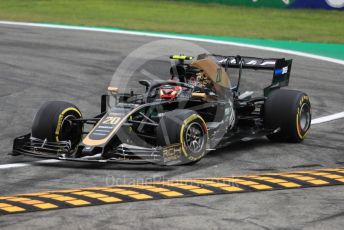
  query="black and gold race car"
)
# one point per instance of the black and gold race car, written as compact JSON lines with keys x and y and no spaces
{"x":175,"y":121}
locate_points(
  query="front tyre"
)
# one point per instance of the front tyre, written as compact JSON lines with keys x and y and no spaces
{"x":290,"y":111}
{"x":53,"y":122}
{"x":187,"y":128}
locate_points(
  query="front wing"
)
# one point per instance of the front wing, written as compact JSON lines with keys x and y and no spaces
{"x":124,"y":153}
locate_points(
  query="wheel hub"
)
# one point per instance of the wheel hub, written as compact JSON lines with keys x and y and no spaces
{"x":305,"y":117}
{"x":194,"y":137}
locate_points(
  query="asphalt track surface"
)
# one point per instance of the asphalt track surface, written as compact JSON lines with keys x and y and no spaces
{"x":39,"y":64}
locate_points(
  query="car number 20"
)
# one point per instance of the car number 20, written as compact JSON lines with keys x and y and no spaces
{"x":111,"y":120}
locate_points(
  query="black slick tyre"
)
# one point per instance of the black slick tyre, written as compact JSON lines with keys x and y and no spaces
{"x":53,"y":123}
{"x":186,"y":128}
{"x":288,"y":112}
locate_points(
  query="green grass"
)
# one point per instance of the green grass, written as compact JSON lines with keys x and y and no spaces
{"x":169,"y":16}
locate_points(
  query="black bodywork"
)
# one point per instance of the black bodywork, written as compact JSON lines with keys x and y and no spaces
{"x":134,"y":118}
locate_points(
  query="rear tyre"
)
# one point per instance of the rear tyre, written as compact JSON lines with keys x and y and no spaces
{"x":53,"y":123}
{"x":187,"y":128}
{"x":290,"y":111}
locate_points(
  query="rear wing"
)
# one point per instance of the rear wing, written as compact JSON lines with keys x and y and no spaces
{"x":281,"y":68}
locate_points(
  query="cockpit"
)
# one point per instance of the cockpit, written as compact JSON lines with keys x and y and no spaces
{"x":201,"y":79}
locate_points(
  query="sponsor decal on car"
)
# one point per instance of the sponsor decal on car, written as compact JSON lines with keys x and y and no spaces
{"x":282,"y":71}
{"x":172,"y":153}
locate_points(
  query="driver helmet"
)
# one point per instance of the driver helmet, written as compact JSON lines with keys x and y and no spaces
{"x":169,"y":92}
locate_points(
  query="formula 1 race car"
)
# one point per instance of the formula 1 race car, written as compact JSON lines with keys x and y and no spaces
{"x":176,"y":121}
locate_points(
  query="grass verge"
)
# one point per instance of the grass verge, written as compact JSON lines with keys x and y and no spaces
{"x":191,"y":18}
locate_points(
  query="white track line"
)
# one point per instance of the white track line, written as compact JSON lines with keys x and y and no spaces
{"x":147,"y":34}
{"x":13,"y":165}
{"x":328,"y":118}
{"x":19,"y":165}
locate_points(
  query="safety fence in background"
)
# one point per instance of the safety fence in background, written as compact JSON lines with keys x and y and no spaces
{"x":314,"y":4}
